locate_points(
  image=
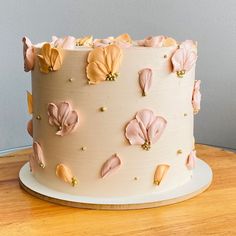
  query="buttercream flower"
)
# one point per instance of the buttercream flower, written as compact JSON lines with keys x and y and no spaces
{"x":191,"y":159}
{"x":65,"y":174}
{"x":85,"y":41}
{"x":49,"y":59}
{"x":123,"y":40}
{"x":29,"y":54}
{"x":152,"y":41}
{"x":196,"y":98}
{"x":103,"y":64}
{"x":145,"y":129}
{"x":38,"y":154}
{"x":145,"y":80}
{"x":110,"y":165}
{"x":188,"y":44}
{"x":183,"y":59}
{"x":66,"y":43}
{"x":63,"y":117}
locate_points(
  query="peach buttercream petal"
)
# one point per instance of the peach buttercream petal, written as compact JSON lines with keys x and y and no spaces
{"x":113,"y":57}
{"x":55,"y":59}
{"x":43,"y":66}
{"x":94,"y":73}
{"x":160,"y":173}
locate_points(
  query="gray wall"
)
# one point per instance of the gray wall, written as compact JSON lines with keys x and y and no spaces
{"x":211,"y":22}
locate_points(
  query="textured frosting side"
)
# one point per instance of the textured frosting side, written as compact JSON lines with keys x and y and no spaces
{"x":101,"y":134}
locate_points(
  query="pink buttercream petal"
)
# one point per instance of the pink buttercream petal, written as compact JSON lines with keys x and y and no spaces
{"x":64,"y":109}
{"x":53,"y":114}
{"x":156,"y":129}
{"x":190,"y":162}
{"x":38,"y":154}
{"x":110,"y":165}
{"x":190,"y":60}
{"x":145,"y":117}
{"x":134,"y":133}
{"x":68,"y":42}
{"x":29,"y":54}
{"x":145,"y":80}
{"x":196,"y":99}
{"x":188,"y":44}
{"x":152,"y":41}
{"x":178,"y":59}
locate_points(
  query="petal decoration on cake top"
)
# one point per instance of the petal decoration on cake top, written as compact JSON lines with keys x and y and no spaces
{"x":160,"y":173}
{"x":29,"y":54}
{"x":168,"y":42}
{"x":152,"y":41}
{"x":66,"y":43}
{"x":86,"y":41}
{"x":191,"y":159}
{"x":50,"y":59}
{"x":196,"y":98}
{"x":145,"y":80}
{"x":30,"y":127}
{"x":103,"y":64}
{"x":123,"y":40}
{"x":145,"y":129}
{"x":30,"y":102}
{"x":188,"y":44}
{"x":63,"y":117}
{"x":183,"y":59}
{"x":38,"y":154}
{"x":65,"y":174}
{"x":110,"y":165}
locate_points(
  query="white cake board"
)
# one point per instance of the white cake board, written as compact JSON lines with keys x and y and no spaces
{"x":200,"y":181}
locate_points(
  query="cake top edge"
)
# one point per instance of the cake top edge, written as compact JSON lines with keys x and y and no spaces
{"x":123,"y":41}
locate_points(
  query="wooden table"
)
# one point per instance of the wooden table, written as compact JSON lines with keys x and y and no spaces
{"x":211,"y":213}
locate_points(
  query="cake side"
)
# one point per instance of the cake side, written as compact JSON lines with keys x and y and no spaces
{"x":101,"y":134}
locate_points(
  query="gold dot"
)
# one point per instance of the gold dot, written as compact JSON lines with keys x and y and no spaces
{"x":165,"y":56}
{"x":185,"y":114}
{"x":178,"y":46}
{"x":135,"y":178}
{"x":102,"y":109}
{"x":70,"y":79}
{"x":179,"y":151}
{"x":38,"y":117}
{"x":84,"y":148}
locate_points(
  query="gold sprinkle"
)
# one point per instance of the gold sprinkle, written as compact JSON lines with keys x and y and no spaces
{"x":70,"y":79}
{"x":185,"y":114}
{"x":38,"y":117}
{"x":179,"y":151}
{"x":165,"y":56}
{"x":135,"y":178}
{"x":74,"y":181}
{"x":102,"y":109}
{"x":146,"y":146}
{"x":84,"y":148}
{"x":178,"y":46}
{"x":41,"y":165}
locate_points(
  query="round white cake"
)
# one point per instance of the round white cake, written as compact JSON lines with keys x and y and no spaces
{"x":112,"y":117}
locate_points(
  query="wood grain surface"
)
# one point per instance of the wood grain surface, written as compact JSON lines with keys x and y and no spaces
{"x":211,"y":213}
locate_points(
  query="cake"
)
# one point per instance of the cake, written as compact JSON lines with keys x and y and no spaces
{"x":112,"y":117}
